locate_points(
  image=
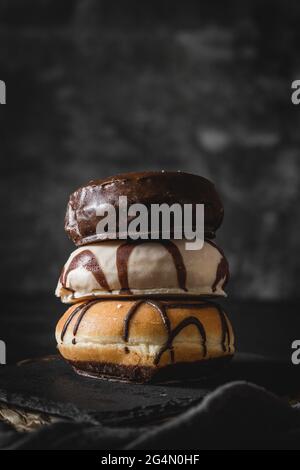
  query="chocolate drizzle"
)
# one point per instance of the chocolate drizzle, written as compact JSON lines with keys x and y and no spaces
{"x":162,"y":308}
{"x":70,"y":318}
{"x":81,"y":309}
{"x":186,"y":322}
{"x":82,"y":313}
{"x":222,"y":269}
{"x":205,"y":304}
{"x":222,"y":272}
{"x":61,"y":277}
{"x":178,"y":262}
{"x":87,"y":260}
{"x":124,"y":251}
{"x":159,"y":306}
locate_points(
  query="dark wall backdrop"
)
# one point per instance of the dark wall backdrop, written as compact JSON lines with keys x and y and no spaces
{"x":97,"y":87}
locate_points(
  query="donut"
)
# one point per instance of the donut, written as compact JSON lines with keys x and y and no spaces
{"x":145,"y":188}
{"x":151,"y":269}
{"x":145,"y":339}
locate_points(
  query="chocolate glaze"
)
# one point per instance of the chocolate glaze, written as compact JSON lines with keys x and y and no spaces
{"x":222,"y":269}
{"x":162,"y":307}
{"x":124,"y":251}
{"x":183,"y":324}
{"x":159,"y":306}
{"x":87,"y":260}
{"x":178,"y":262}
{"x":81,"y":310}
{"x":204,"y":304}
{"x":222,"y":272}
{"x":153,"y":187}
{"x":70,"y":318}
{"x":81,"y":315}
{"x":62,"y":277}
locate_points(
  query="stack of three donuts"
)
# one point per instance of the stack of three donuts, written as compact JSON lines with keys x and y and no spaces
{"x":143,"y":310}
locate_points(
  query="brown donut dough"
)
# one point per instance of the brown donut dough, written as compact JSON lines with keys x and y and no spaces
{"x":172,"y":338}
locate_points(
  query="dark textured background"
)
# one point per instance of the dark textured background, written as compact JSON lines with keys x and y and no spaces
{"x":97,"y":87}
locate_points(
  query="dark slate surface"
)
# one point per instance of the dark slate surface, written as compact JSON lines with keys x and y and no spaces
{"x":51,"y":386}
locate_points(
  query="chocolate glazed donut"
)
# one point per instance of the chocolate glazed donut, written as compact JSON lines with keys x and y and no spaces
{"x":147,"y":188}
